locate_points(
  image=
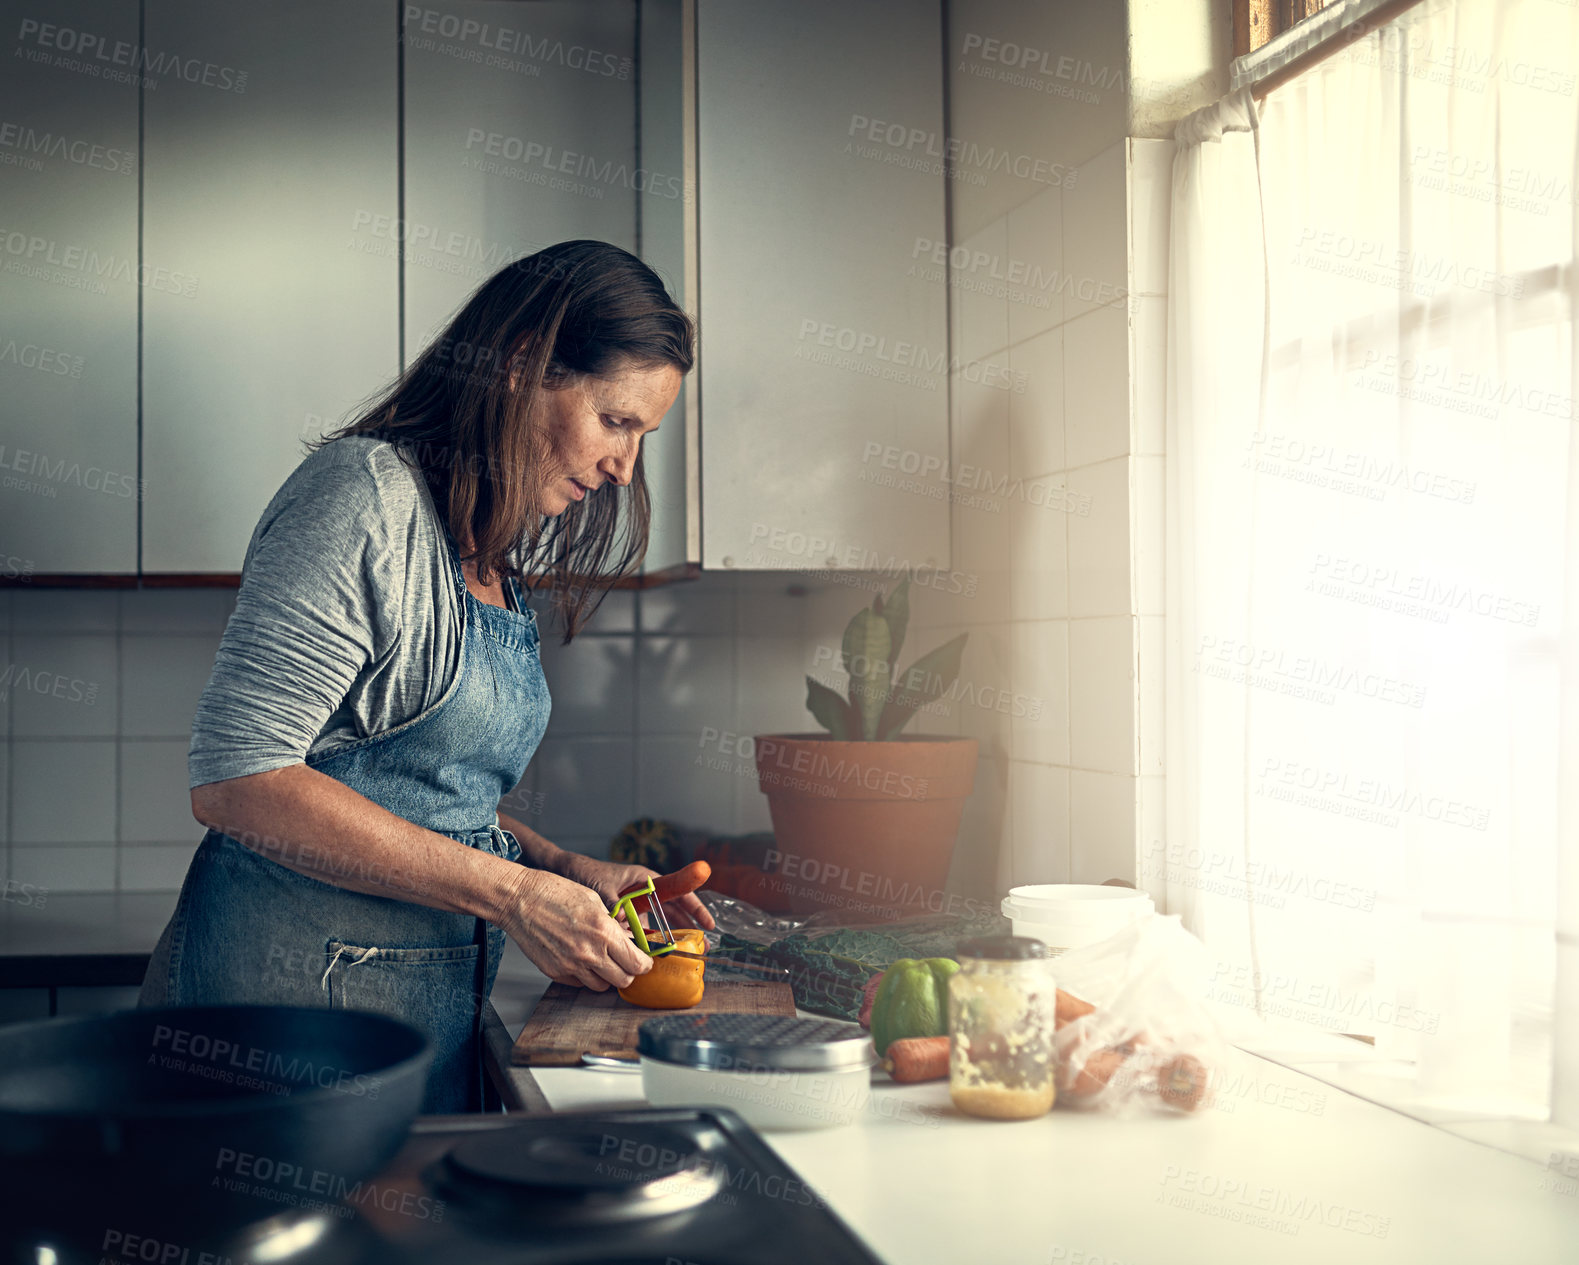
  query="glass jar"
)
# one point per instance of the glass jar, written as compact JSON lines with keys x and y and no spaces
{"x":1002,"y":1008}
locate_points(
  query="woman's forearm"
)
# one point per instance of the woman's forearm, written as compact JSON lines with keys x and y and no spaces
{"x":317,"y":826}
{"x":536,"y":851}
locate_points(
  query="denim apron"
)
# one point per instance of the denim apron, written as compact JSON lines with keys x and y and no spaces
{"x":249,"y":930}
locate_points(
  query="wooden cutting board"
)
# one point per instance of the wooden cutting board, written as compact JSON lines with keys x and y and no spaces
{"x":569,"y":1022}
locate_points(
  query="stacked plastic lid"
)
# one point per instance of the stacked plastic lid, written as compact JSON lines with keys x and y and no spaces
{"x":726,"y":1040}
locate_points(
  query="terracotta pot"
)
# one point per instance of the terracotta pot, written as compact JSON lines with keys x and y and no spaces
{"x":864,"y":827}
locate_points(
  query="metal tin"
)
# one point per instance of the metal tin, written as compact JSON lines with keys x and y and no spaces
{"x":740,"y":1042}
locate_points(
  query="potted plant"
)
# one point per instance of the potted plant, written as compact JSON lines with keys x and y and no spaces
{"x":864,"y":817}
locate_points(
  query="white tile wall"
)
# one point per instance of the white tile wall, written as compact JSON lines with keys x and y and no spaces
{"x":1096,"y":387}
{"x":1099,"y":541}
{"x":981,"y":460}
{"x":1151,"y":184}
{"x":587,"y":786}
{"x":1153,"y":828}
{"x":62,"y":791}
{"x":162,"y":678}
{"x":159,"y":868}
{"x":592,"y":684}
{"x":705,"y":606}
{"x":65,"y":869}
{"x":63,"y":610}
{"x":616,"y":613}
{"x":767,"y":605}
{"x":1035,"y":270}
{"x":770,"y":683}
{"x":1038,"y":559}
{"x":1102,"y":810}
{"x":1039,"y":673}
{"x":1089,"y":353}
{"x":1149,"y":372}
{"x":1148,"y":519}
{"x":1153,"y":696}
{"x":686,"y":683}
{"x":979,"y":309}
{"x":156,"y":803}
{"x":1150,"y":192}
{"x":191,"y":612}
{"x":1036,"y":413}
{"x":1038,"y":826}
{"x":1102,"y":694}
{"x":1096,"y":234}
{"x":986,"y":678}
{"x":62,"y":686}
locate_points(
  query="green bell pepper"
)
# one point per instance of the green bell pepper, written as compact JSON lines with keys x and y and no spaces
{"x":912,"y":1001}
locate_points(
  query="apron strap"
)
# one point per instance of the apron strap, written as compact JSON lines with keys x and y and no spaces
{"x":480,"y":987}
{"x":367,"y":955}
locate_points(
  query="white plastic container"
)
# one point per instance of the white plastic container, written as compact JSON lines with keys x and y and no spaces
{"x":777,"y":1071}
{"x":765,"y":1099}
{"x":1067,"y":916}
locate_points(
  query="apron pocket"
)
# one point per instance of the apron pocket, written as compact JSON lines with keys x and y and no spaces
{"x":434,"y":989}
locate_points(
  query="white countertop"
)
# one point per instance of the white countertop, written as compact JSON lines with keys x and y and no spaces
{"x":921,"y":1183}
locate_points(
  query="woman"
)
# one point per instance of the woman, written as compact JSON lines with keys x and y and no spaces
{"x":378,"y":688}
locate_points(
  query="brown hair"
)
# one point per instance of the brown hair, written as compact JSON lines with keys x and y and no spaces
{"x":460,"y":414}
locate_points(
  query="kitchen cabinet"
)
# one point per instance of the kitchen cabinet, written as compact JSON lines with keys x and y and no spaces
{"x":69,"y":284}
{"x":270,"y":161}
{"x":520,"y":131}
{"x":323,"y":185}
{"x":666,"y":220}
{"x":820,"y":142}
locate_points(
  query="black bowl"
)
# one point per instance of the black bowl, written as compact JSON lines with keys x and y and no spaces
{"x":222,"y":1110}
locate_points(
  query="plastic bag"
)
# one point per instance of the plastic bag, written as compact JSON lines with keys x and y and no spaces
{"x":1150,"y":1042}
{"x":830,"y":959}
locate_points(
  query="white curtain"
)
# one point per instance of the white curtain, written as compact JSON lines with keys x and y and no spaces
{"x":1373,"y":511}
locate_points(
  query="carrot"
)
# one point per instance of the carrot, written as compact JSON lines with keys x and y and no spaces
{"x":1182,"y":1083}
{"x":1094,"y":1075}
{"x":693,"y":876}
{"x":911,"y":1059}
{"x":1070,"y":1008}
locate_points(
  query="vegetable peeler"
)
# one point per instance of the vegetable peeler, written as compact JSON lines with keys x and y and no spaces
{"x":658,"y":940}
{"x":662,"y":940}
{"x":649,"y":897}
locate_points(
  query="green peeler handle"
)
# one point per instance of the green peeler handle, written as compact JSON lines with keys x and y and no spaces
{"x":624,"y":907}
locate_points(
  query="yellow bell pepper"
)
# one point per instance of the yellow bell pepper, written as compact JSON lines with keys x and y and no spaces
{"x":674,"y":983}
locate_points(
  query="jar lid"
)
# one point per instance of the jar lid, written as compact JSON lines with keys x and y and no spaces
{"x":1002,"y":948}
{"x":742,"y":1042}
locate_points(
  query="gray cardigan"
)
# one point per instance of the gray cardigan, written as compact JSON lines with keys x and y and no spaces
{"x":347,"y":622}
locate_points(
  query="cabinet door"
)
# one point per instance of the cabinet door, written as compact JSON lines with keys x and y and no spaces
{"x":520,"y":131}
{"x":69,"y":281}
{"x":820,"y":146}
{"x":270,"y":196}
{"x":667,"y":225}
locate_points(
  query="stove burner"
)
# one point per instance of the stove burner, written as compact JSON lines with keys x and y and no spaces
{"x":567,"y":1172}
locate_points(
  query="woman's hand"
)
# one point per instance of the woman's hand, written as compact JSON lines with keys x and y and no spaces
{"x":609,"y":878}
{"x":565,"y":929}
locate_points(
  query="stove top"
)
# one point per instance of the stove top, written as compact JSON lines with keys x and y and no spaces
{"x":677,"y":1186}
